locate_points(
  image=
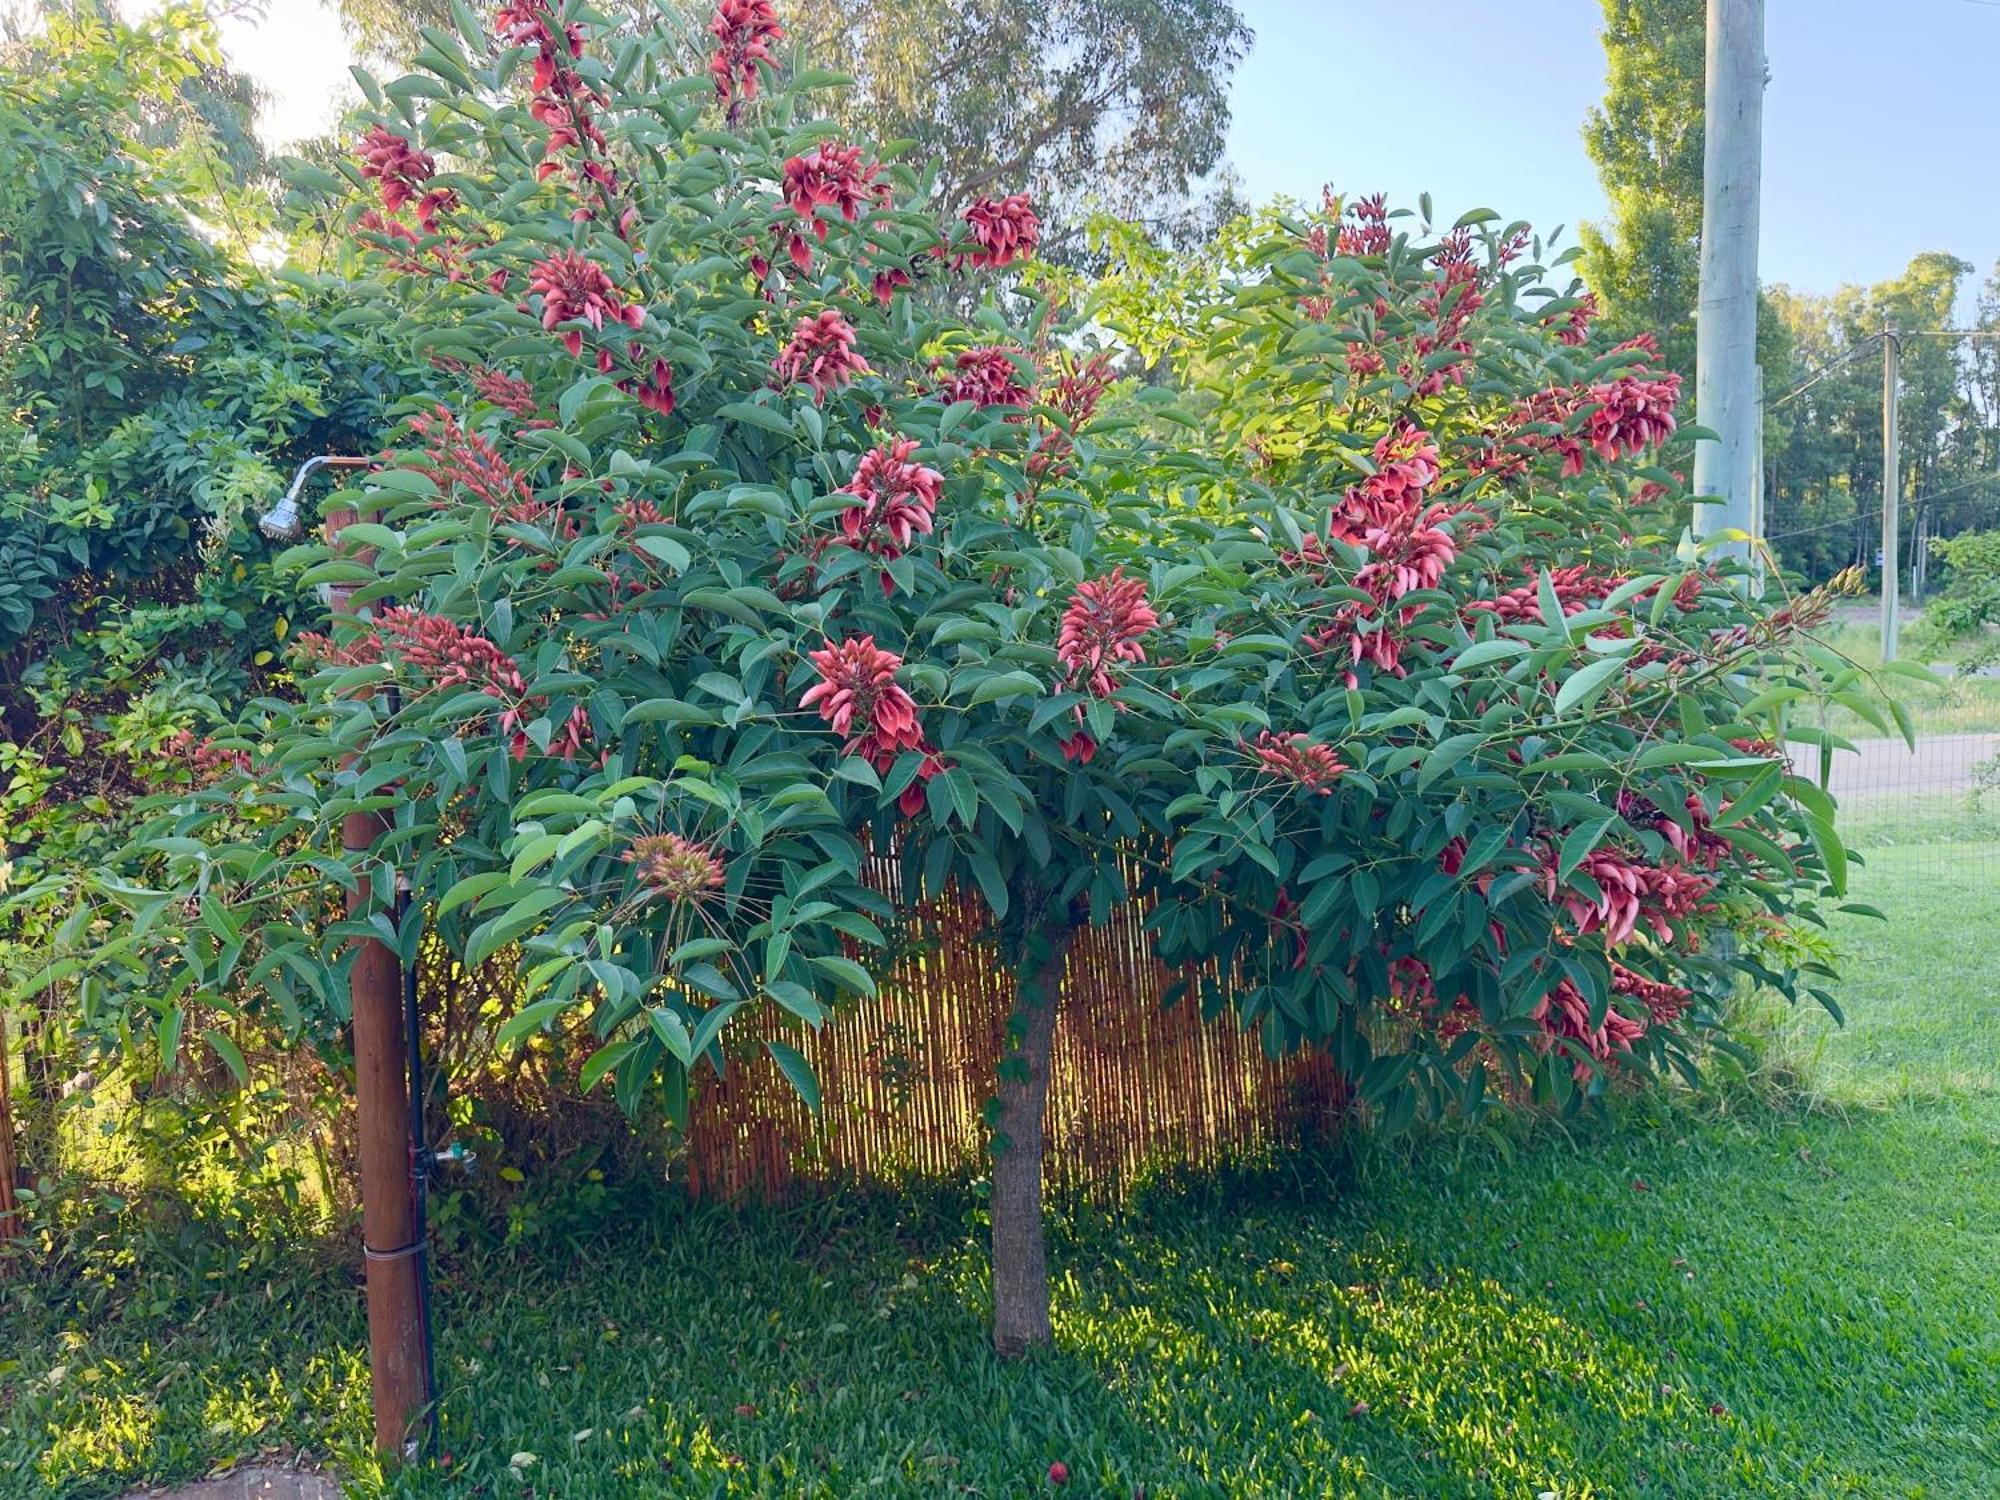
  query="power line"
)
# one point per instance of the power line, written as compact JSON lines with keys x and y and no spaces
{"x":1815,"y":376}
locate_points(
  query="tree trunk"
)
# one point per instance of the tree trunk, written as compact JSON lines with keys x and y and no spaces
{"x":1020,"y":1252}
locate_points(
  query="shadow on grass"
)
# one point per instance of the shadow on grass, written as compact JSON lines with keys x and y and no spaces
{"x":1771,"y":1304}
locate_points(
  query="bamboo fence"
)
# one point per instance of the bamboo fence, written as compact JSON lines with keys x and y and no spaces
{"x":904,"y":1077}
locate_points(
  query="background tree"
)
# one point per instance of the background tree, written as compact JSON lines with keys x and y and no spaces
{"x":1646,"y":141}
{"x":1113,"y":105}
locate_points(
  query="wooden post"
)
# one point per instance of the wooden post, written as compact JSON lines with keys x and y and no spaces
{"x":390,"y":1246}
{"x":9,"y":1166}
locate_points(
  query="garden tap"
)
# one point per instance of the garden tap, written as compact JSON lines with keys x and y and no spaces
{"x":281,"y":522}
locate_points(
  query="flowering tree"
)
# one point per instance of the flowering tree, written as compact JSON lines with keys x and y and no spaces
{"x":719,"y":559}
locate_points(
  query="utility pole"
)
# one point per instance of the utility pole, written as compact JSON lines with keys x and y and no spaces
{"x":390,"y":1238}
{"x":1892,"y":492}
{"x":1726,"y":322}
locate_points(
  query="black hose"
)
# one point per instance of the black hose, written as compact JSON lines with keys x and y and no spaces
{"x":419,"y":1172}
{"x":420,"y":1155}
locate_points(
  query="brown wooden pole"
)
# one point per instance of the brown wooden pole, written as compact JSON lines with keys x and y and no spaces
{"x":390,"y":1245}
{"x":9,"y":1166}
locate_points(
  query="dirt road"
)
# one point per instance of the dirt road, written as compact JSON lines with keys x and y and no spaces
{"x":1889,"y":768}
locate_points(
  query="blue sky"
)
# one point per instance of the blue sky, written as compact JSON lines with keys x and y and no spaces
{"x":1881,"y":132}
{"x":1881,"y":129}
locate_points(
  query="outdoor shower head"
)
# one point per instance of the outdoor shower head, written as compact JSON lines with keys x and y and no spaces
{"x":281,"y":522}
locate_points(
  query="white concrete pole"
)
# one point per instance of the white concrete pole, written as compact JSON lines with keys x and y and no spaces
{"x":1726,"y":324}
{"x":1892,"y":496}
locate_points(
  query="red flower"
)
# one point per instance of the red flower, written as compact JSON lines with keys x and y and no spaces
{"x":1630,"y":893}
{"x":895,"y":499}
{"x":987,"y":376}
{"x":887,"y":281}
{"x":396,"y":164}
{"x":910,"y":801}
{"x":1633,"y":413}
{"x":208,"y":761}
{"x":457,"y":459}
{"x":1369,"y":233}
{"x":745,"y":29}
{"x":858,"y":697}
{"x":529,"y":23}
{"x":573,"y":286}
{"x":1080,"y":747}
{"x":1298,"y":758}
{"x":1664,"y":1002}
{"x":1575,"y":327}
{"x":1003,"y":229}
{"x":505,"y":391}
{"x":656,"y":391}
{"x":1564,"y":1013}
{"x":1102,"y":627}
{"x":673,"y":868}
{"x":821,"y":354}
{"x":831,"y":175}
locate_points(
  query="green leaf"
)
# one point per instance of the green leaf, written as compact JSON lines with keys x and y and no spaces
{"x":1482,"y":653}
{"x":849,"y":974}
{"x":230,"y":1053}
{"x":1584,"y":687}
{"x":798,"y":1072}
{"x":1447,"y":754}
{"x":756,"y":416}
{"x":1004,"y":685}
{"x":672,"y":710}
{"x":1577,"y":845}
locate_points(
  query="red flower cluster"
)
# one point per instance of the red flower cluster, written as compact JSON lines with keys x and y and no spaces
{"x":508,"y":392}
{"x":1078,"y":387}
{"x":1564,"y":1013}
{"x":987,"y":376}
{"x":402,"y":170}
{"x":1665,"y":1003}
{"x":830,"y":175}
{"x":1697,"y":844}
{"x":1575,"y":324}
{"x":1298,"y":758}
{"x":1631,"y":414}
{"x":674,"y":869}
{"x":1632,"y":893}
{"x":858,"y":696}
{"x":1406,"y":464}
{"x":1368,"y":234}
{"x":1004,"y":229}
{"x":529,"y":23}
{"x":1408,"y":549}
{"x":744,"y":31}
{"x":450,"y":655}
{"x":457,"y":459}
{"x":562,"y":99}
{"x":1450,"y":301}
{"x":1413,"y":992}
{"x":1621,"y":417}
{"x":894,"y":500}
{"x":206,"y":759}
{"x":572,"y":286}
{"x":1576,"y":589}
{"x":821,"y":354}
{"x":1102,"y":629}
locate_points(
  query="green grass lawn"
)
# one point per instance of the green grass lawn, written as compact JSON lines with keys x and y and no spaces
{"x":1719,"y":1298}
